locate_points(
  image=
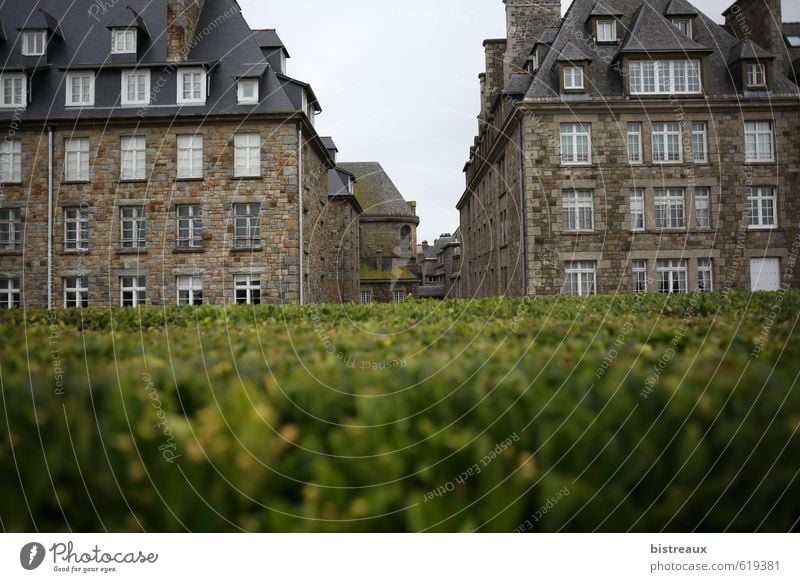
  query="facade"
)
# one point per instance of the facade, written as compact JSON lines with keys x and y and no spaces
{"x":388,"y":236}
{"x":632,"y":146}
{"x":157,"y":153}
{"x":441,"y":268}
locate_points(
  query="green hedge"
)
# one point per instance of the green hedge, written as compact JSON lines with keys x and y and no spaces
{"x":498,"y":415}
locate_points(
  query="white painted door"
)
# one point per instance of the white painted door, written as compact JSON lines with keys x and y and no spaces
{"x":765,"y":274}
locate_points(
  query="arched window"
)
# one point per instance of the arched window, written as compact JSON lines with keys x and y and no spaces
{"x":405,"y":239}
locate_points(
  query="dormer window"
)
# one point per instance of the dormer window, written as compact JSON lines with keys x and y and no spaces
{"x":533,"y":62}
{"x":606,"y":31}
{"x":123,"y":41}
{"x":248,"y":91}
{"x":192,"y":87}
{"x":684,"y":25}
{"x":80,"y":89}
{"x":573,"y":78}
{"x":13,"y":90}
{"x":756,"y":75}
{"x":664,"y":77}
{"x":34,"y":43}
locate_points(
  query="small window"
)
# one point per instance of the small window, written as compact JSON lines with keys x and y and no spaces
{"x":248,"y":91}
{"x":34,"y":43}
{"x":606,"y":31}
{"x":189,"y":226}
{"x":399,"y":296}
{"x":672,"y":276}
{"x":133,"y":291}
{"x":135,"y":87}
{"x":190,"y":290}
{"x":133,"y":228}
{"x":702,"y":207}
{"x":639,"y":271}
{"x":247,"y":289}
{"x":578,"y":211}
{"x":123,"y":41}
{"x":637,"y":210}
{"x":76,"y":229}
{"x":80,"y":89}
{"x":635,"y":143}
{"x":134,"y":154}
{"x":10,"y":229}
{"x":761,"y":207}
{"x":76,"y":160}
{"x":192,"y":86}
{"x":756,"y":75}
{"x":366,"y":297}
{"x":705,"y":275}
{"x":699,"y":142}
{"x":247,"y":225}
{"x":11,"y":161}
{"x":581,"y":278}
{"x":76,"y":292}
{"x":573,"y":78}
{"x":670,"y":208}
{"x":759,"y":141}
{"x":684,"y":25}
{"x":247,"y":155}
{"x":9,"y":293}
{"x":190,"y":156}
{"x":14,"y":89}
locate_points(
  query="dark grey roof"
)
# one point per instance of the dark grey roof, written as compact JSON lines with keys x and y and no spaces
{"x":604,"y":9}
{"x":747,"y":49}
{"x":376,"y":192}
{"x":572,"y":53}
{"x":519,"y":83}
{"x":329,"y":143}
{"x":791,"y":28}
{"x":267,"y":38}
{"x":223,"y":42}
{"x":652,"y":33}
{"x":338,"y":180}
{"x":129,"y":19}
{"x":680,"y":8}
{"x":438,"y":246}
{"x":549,"y":35}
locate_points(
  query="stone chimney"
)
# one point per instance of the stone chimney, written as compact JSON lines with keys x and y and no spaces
{"x":761,"y":22}
{"x":525,"y":23}
{"x":182,"y":19}
{"x":425,"y":247}
{"x":493,"y":83}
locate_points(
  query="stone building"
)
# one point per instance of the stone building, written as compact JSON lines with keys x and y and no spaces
{"x":632,"y":146}
{"x":441,"y":268}
{"x":388,"y":236}
{"x":156,"y":152}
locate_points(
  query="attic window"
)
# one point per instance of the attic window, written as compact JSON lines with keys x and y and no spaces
{"x":794,"y":41}
{"x":123,"y":41}
{"x":606,"y":31}
{"x":33,"y":43}
{"x":248,"y":91}
{"x":756,"y":75}
{"x":533,"y":62}
{"x":684,"y":25}
{"x":573,"y":78}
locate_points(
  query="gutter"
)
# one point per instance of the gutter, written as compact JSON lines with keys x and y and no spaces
{"x":49,"y":218}
{"x":300,"y":210}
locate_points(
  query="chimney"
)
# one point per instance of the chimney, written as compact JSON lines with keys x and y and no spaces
{"x":760,"y":21}
{"x":182,"y":19}
{"x":425,"y":247}
{"x":525,"y":23}
{"x":493,"y":83}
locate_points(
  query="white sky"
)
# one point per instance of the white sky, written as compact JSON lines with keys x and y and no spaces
{"x":398,"y":83}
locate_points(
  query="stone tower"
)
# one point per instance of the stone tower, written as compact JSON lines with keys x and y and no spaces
{"x":525,"y":23}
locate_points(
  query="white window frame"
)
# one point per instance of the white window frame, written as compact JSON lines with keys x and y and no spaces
{"x":699,"y":142}
{"x":534,"y":61}
{"x":133,"y":158}
{"x":85,"y":99}
{"x":247,"y":289}
{"x":665,"y":77}
{"x":240,"y":90}
{"x":18,"y":100}
{"x":136,"y":286}
{"x":576,"y":138}
{"x":190,"y":157}
{"x":366,"y":297}
{"x":34,"y":35}
{"x":10,"y":229}
{"x":573,"y":73}
{"x":755,"y":133}
{"x":10,"y":293}
{"x":705,"y":275}
{"x":667,"y":142}
{"x":76,"y":292}
{"x":678,"y":22}
{"x":192,"y":100}
{"x":247,"y":155}
{"x":133,"y":228}
{"x":189,"y":226}
{"x":671,"y":273}
{"x":762,"y":207}
{"x":639,"y":283}
{"x":11,"y":161}
{"x":637,"y":207}
{"x":578,"y":208}
{"x":670,"y":208}
{"x":125,"y":99}
{"x":399,"y":296}
{"x":125,"y":47}
{"x":702,"y":208}
{"x":76,"y":156}
{"x":634,"y":143}
{"x":189,"y":289}
{"x":76,"y":229}
{"x":756,"y":74}
{"x":247,"y":225}
{"x":602,"y":25}
{"x":580,"y":278}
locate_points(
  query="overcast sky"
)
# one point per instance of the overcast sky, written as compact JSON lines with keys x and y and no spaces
{"x":398,"y":83}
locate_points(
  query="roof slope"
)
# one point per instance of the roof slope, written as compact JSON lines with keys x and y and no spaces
{"x":651,"y":33}
{"x":375,"y":191}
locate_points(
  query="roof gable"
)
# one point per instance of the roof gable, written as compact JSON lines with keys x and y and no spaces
{"x":652,"y":33}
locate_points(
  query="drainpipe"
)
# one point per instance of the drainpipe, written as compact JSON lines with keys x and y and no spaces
{"x":49,"y":218}
{"x":523,"y":206}
{"x":300,"y":208}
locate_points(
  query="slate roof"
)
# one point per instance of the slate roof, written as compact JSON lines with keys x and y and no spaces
{"x":680,"y":8}
{"x":375,"y":191}
{"x":267,"y":38}
{"x":653,"y":33}
{"x":438,"y":246}
{"x":603,"y":9}
{"x":572,"y":53}
{"x":747,"y":49}
{"x":225,"y":46}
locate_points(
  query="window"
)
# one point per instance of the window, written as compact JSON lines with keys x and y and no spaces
{"x":10,"y":229}
{"x":637,"y":210}
{"x":190,"y":290}
{"x":672,"y":276}
{"x":76,"y":163}
{"x":503,"y":227}
{"x":669,"y":203}
{"x":399,"y":296}
{"x":135,"y":87}
{"x":761,"y":203}
{"x":123,"y":41}
{"x":702,"y":207}
{"x":534,"y":60}
{"x":192,"y":86}
{"x":247,"y":225}
{"x":576,"y":143}
{"x":639,"y":270}
{"x":664,"y":77}
{"x":581,"y":278}
{"x":190,"y":156}
{"x":635,"y":143}
{"x":756,"y":75}
{"x":76,"y":229}
{"x":606,"y":30}
{"x":190,"y":226}
{"x":684,"y":25}
{"x":9,"y":293}
{"x":80,"y":89}
{"x":247,"y":155}
{"x":667,"y":142}
{"x":366,"y":297}
{"x":133,"y":227}
{"x":34,"y":43}
{"x":14,"y":88}
{"x":759,"y":141}
{"x":11,"y":161}
{"x":699,"y":141}
{"x":76,"y":292}
{"x":573,"y":77}
{"x":578,"y":210}
{"x":134,"y":154}
{"x":132,"y":291}
{"x":705,"y":275}
{"x":248,"y":289}
{"x":248,"y":91}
